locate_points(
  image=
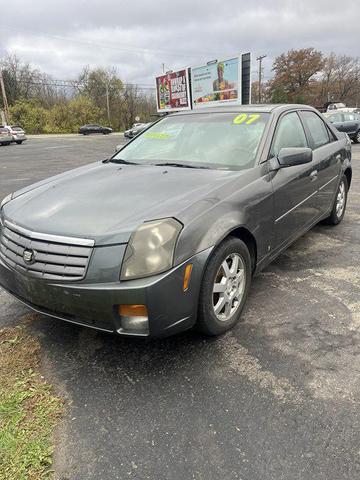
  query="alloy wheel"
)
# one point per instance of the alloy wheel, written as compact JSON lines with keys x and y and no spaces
{"x":340,"y":200}
{"x":229,"y":287}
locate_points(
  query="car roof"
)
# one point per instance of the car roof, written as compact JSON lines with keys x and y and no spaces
{"x":260,"y":108}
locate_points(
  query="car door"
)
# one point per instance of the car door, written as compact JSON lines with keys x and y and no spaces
{"x":337,"y":119}
{"x":350,"y":124}
{"x":327,"y":158}
{"x":294,"y":187}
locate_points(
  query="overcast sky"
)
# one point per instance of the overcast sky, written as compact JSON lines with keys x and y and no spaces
{"x":62,"y":36}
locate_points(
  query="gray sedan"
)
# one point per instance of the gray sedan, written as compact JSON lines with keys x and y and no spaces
{"x":167,"y":234}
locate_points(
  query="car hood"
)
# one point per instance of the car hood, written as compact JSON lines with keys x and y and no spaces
{"x":107,"y":201}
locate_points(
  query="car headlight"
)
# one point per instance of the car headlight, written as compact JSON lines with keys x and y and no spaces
{"x":151,"y":249}
{"x":6,"y":200}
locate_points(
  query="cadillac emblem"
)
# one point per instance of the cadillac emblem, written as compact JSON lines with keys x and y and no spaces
{"x":29,"y":256}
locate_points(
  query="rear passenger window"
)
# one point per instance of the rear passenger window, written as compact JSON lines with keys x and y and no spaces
{"x":317,"y":128}
{"x":289,"y":133}
{"x":349,"y":117}
{"x":336,"y":118}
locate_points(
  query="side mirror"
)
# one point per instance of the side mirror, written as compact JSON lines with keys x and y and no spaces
{"x":289,"y":157}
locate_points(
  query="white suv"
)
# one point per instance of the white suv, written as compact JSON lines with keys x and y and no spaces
{"x":17,"y":133}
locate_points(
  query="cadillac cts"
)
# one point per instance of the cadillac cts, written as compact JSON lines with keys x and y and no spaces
{"x":167,"y":233}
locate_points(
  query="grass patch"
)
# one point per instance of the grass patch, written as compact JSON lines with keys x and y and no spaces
{"x":29,"y":410}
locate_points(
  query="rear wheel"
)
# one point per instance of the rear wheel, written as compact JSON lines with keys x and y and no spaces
{"x":339,"y":207}
{"x":19,"y":142}
{"x":225,"y":287}
{"x":357,"y":137}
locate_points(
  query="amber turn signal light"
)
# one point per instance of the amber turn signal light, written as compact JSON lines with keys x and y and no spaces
{"x":187,"y":276}
{"x":133,"y":311}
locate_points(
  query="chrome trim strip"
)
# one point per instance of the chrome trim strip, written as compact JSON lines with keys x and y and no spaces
{"x":327,"y":183}
{"x":296,"y":206}
{"x":83,"y":242}
{"x":307,"y":198}
{"x":120,"y":331}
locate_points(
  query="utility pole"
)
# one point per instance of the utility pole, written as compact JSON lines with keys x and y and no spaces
{"x":108,"y":103}
{"x":5,"y":102}
{"x":260,"y":59}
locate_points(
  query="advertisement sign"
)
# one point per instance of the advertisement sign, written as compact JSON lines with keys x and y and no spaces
{"x":172,"y":91}
{"x":217,"y":82}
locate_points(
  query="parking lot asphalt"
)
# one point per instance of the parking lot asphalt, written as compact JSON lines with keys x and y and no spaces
{"x":276,"y":398}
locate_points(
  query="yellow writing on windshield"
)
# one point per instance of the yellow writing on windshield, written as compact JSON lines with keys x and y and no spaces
{"x":157,"y":135}
{"x":246,"y":119}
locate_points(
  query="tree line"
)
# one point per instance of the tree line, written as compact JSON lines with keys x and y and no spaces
{"x":308,"y":76}
{"x":98,"y":95}
{"x":44,"y":105}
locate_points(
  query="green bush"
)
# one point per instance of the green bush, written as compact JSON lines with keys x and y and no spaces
{"x":29,"y":115}
{"x":61,"y":118}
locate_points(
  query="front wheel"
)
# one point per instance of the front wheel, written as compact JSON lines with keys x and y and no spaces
{"x":19,"y":142}
{"x":357,"y":137}
{"x":225,"y":287}
{"x":339,"y":207}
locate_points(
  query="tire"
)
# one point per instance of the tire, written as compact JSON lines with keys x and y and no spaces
{"x":19,"y":142}
{"x":357,"y":137}
{"x":339,"y":207}
{"x":210,"y":321}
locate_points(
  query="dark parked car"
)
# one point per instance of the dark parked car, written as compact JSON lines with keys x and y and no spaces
{"x":168,"y":233}
{"x":88,"y":129}
{"x":347,"y":122}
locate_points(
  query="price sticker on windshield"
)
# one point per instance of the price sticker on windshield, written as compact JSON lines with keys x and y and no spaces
{"x":157,"y":135}
{"x":246,"y":119}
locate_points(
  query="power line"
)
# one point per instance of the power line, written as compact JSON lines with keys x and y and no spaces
{"x":76,"y":84}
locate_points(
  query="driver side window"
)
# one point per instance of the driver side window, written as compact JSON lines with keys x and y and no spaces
{"x":289,"y":133}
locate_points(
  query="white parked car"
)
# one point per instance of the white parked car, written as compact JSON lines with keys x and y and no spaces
{"x":5,"y":137}
{"x":17,"y":133}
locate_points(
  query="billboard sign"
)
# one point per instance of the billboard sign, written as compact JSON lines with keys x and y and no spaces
{"x":172,"y":91}
{"x":216,"y":83}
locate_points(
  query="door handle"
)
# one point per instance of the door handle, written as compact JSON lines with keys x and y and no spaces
{"x":313,"y":175}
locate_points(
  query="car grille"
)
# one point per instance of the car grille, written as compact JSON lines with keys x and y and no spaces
{"x":50,"y":257}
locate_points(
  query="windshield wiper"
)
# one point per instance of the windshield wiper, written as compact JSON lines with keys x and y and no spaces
{"x":174,"y":164}
{"x":123,"y":162}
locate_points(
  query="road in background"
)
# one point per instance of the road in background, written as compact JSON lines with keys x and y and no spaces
{"x":277,"y":398}
{"x":46,"y":155}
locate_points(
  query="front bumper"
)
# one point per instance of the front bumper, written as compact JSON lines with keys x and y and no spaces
{"x":170,"y":309}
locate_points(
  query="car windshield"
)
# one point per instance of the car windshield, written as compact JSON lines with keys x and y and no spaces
{"x":226,"y":141}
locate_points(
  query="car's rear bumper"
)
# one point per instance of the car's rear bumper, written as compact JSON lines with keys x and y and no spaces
{"x":19,"y":138}
{"x":170,"y":309}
